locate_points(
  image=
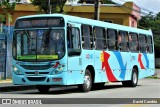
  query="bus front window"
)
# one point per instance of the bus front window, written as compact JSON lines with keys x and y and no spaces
{"x":38,"y":45}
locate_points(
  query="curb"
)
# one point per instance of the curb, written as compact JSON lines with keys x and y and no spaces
{"x":17,"y":88}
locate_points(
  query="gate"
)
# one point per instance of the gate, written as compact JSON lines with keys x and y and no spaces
{"x":2,"y":56}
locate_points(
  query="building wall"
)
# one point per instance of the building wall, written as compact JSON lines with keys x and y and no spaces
{"x":116,"y":14}
{"x":22,"y":10}
{"x":123,"y":15}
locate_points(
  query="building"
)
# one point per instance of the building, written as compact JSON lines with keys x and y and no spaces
{"x":127,"y":14}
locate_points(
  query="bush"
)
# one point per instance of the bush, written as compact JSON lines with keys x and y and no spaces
{"x":157,"y":46}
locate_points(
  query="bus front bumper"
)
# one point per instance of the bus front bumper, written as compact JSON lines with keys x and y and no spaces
{"x":58,"y":79}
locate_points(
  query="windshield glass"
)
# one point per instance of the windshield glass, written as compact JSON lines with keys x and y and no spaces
{"x":38,"y":45}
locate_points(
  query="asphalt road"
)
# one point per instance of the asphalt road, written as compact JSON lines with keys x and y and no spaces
{"x":147,"y":88}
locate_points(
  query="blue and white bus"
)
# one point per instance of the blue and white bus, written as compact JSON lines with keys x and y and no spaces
{"x":56,"y":49}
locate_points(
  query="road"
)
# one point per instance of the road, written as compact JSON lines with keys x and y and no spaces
{"x":147,"y":88}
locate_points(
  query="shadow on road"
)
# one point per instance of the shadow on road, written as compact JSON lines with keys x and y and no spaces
{"x":73,"y":89}
{"x":66,"y":90}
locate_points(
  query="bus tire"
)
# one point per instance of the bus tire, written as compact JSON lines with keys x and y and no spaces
{"x":43,"y":88}
{"x":87,"y":85}
{"x":134,"y":79}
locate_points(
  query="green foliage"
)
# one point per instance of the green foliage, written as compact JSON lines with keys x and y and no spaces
{"x":56,"y":6}
{"x":2,"y":18}
{"x":107,"y":2}
{"x":7,"y":8}
{"x":151,"y":21}
{"x":93,"y":1}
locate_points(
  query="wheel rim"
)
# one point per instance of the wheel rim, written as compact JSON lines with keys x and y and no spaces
{"x":87,"y":81}
{"x":134,"y":78}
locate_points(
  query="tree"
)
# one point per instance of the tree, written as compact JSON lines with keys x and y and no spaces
{"x":151,"y":21}
{"x":56,"y":6}
{"x":7,"y":8}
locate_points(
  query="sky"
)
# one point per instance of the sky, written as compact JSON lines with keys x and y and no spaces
{"x":151,"y":5}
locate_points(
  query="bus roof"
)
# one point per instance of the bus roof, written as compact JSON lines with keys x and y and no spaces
{"x":92,"y":22}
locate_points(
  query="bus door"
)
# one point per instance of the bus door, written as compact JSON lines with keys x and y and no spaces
{"x":74,"y":54}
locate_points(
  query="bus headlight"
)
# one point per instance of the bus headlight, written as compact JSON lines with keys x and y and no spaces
{"x":15,"y":68}
{"x":17,"y":71}
{"x":57,"y":71}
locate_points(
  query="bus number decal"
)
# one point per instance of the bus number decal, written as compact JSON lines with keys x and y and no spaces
{"x":89,"y":56}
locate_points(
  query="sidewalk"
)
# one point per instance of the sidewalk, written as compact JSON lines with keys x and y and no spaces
{"x":6,"y":85}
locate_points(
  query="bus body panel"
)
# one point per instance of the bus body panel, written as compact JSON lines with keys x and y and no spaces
{"x":23,"y":80}
{"x":109,"y":66}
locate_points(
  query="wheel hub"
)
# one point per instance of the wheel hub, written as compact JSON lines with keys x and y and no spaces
{"x":134,"y":78}
{"x":87,"y":81}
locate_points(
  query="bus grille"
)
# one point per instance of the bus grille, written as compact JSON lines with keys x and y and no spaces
{"x":33,"y":73}
{"x":36,"y":67}
{"x":36,"y":78}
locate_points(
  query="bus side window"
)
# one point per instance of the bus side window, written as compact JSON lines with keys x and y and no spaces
{"x":87,"y":37}
{"x":112,"y":34}
{"x":69,"y":44}
{"x":123,"y":41}
{"x":100,"y":38}
{"x":142,"y":43}
{"x":133,"y":42}
{"x":73,"y":41}
{"x":150,"y":44}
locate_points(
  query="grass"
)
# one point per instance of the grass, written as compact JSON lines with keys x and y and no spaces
{"x":153,"y":77}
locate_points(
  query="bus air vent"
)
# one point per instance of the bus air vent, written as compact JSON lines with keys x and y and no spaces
{"x":36,"y":67}
{"x":36,"y":78}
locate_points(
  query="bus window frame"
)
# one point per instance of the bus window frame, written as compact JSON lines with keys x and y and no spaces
{"x":103,"y":38}
{"x":115,"y":39}
{"x":142,"y":43}
{"x":91,"y":37}
{"x":70,"y":54}
{"x":150,"y":44}
{"x":126,"y":42}
{"x":137,"y":37}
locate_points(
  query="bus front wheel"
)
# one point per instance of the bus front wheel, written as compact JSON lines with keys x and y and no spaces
{"x":43,"y":88}
{"x":87,"y":85}
{"x":134,"y":79}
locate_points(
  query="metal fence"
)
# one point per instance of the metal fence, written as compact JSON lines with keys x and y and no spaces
{"x":3,"y":50}
{"x":6,"y":52}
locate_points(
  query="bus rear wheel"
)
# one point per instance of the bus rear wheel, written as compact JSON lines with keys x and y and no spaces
{"x":87,"y":85}
{"x":134,"y":79}
{"x":43,"y":88}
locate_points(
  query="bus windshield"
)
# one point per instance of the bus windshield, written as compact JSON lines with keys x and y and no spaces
{"x":38,"y":44}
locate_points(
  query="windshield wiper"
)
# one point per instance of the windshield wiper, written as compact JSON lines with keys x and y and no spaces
{"x":28,"y":35}
{"x":47,"y":33}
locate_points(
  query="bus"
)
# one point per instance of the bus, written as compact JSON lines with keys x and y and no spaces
{"x":56,"y":49}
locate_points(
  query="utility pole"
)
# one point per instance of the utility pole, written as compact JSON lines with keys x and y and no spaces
{"x":96,"y":10}
{"x":49,"y":7}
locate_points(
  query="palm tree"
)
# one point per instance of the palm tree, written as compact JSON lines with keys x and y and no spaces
{"x":7,"y":8}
